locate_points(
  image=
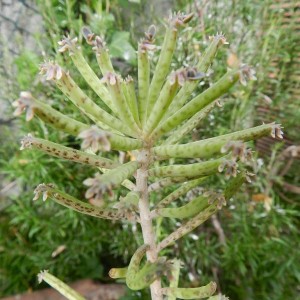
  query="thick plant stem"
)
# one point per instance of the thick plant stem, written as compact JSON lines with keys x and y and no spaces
{"x":145,"y":217}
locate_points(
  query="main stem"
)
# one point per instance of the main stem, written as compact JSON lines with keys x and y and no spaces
{"x":145,"y":218}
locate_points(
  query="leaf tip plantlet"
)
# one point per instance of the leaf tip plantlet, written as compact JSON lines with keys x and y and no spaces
{"x":25,"y":102}
{"x":95,"y":138}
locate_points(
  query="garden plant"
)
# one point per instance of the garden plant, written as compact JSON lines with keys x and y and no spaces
{"x":149,"y":119}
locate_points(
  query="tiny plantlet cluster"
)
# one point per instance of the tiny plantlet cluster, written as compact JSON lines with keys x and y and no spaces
{"x":149,"y":118}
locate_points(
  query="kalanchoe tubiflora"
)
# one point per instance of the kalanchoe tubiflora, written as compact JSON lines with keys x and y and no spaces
{"x":149,"y":121}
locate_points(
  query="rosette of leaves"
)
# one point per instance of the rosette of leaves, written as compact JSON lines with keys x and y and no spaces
{"x":148,"y":118}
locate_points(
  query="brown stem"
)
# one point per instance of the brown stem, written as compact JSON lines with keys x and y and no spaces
{"x":145,"y":217}
{"x":217,"y":225}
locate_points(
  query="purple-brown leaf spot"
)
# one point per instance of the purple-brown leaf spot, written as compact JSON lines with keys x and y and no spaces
{"x":25,"y":102}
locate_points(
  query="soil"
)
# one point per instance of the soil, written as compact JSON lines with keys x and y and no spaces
{"x":88,"y":288}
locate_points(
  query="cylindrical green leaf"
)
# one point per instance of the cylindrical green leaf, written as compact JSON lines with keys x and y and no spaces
{"x":115,"y":83}
{"x":188,"y":126}
{"x":67,"y":153}
{"x":143,"y":81}
{"x":231,"y":188}
{"x":58,"y":120}
{"x":31,"y":106}
{"x":203,"y":65}
{"x":67,"y":85}
{"x":116,"y":176}
{"x":123,"y":143}
{"x":162,"y":66}
{"x":165,"y":182}
{"x":212,"y":146}
{"x":99,"y":46}
{"x":118,"y":272}
{"x":209,"y":54}
{"x":186,"y":211}
{"x":132,"y":198}
{"x":234,"y":185}
{"x":174,"y":277}
{"x":148,"y":274}
{"x":161,"y":105}
{"x":103,"y":59}
{"x":92,"y":79}
{"x":138,"y":278}
{"x":134,"y":265}
{"x":199,"y":102}
{"x":59,"y":285}
{"x":191,"y":293}
{"x":188,"y":226}
{"x":180,"y":192}
{"x":69,"y":201}
{"x":197,"y":169}
{"x":130,"y":96}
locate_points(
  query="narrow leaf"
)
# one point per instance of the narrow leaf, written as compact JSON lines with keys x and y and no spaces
{"x":191,"y":293}
{"x":192,"y":170}
{"x":212,"y":146}
{"x":199,"y":102}
{"x":67,"y":153}
{"x":60,"y":286}
{"x":203,"y":65}
{"x":187,"y":186}
{"x":69,"y":201}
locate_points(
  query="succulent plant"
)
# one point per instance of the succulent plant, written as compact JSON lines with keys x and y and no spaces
{"x":149,"y":118}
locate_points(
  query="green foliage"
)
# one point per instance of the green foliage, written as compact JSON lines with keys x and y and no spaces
{"x":140,"y":125}
{"x":120,"y":47}
{"x":256,"y":261}
{"x":27,"y":67}
{"x":30,"y":233}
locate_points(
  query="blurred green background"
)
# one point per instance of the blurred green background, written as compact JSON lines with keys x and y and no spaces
{"x":252,"y":248}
